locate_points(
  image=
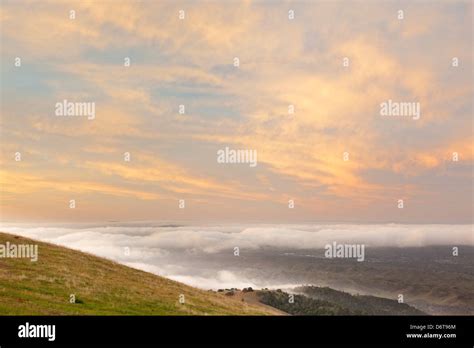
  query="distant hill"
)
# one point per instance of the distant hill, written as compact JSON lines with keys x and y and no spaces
{"x":366,"y":305}
{"x":313,"y":300}
{"x":301,"y":305}
{"x":101,"y":287}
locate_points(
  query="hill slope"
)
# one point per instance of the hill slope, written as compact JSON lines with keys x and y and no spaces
{"x":327,"y":301}
{"x":101,"y":287}
{"x":358,"y":304}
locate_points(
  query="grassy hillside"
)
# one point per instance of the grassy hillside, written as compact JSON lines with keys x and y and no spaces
{"x":101,"y":287}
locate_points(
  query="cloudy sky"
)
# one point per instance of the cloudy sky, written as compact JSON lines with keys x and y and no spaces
{"x":283,"y":62}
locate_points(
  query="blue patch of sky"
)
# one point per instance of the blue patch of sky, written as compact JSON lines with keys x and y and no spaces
{"x":113,"y":55}
{"x":206,"y":103}
{"x":29,"y":79}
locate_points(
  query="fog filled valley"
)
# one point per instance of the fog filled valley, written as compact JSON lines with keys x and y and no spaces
{"x":417,"y":262}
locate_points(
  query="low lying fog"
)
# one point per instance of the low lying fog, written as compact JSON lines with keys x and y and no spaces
{"x":180,"y":252}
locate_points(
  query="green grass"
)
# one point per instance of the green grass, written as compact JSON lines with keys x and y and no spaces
{"x":101,"y":287}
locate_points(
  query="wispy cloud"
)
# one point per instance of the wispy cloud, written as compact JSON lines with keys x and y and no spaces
{"x":190,"y":62}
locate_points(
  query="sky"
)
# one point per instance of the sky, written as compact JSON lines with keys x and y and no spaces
{"x":283,"y":62}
